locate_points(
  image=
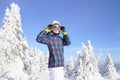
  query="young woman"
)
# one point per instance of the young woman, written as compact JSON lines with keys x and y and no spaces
{"x":50,"y":37}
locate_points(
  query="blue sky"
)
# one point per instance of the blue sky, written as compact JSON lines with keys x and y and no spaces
{"x":95,"y":20}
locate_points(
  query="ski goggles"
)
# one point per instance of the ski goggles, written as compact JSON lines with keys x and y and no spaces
{"x":55,"y":27}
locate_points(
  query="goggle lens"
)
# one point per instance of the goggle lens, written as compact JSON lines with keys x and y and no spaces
{"x":56,"y":27}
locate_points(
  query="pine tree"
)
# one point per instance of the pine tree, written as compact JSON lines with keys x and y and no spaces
{"x":87,"y":63}
{"x":13,"y":44}
{"x":110,"y":70}
{"x":69,"y":68}
{"x":12,"y":29}
{"x":15,"y":54}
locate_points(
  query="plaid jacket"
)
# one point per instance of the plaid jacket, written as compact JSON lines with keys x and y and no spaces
{"x":55,"y":45}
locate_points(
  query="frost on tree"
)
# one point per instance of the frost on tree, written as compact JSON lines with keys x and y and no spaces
{"x":69,"y":68}
{"x":17,"y":60}
{"x":35,"y":62}
{"x":13,"y":44}
{"x":87,"y":66}
{"x":110,"y":70}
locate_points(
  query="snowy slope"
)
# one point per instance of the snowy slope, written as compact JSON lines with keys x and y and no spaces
{"x":45,"y":76}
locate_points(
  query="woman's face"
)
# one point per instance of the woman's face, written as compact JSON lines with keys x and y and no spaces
{"x":56,"y":31}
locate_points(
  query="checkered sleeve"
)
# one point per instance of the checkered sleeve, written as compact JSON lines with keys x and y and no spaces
{"x":42,"y":38}
{"x":66,"y":40}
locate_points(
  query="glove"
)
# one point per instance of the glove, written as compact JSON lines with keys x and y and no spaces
{"x":48,"y":28}
{"x":63,"y":31}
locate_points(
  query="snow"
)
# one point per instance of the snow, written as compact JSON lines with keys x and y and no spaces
{"x":45,"y":76}
{"x":110,"y":70}
{"x":18,"y":61}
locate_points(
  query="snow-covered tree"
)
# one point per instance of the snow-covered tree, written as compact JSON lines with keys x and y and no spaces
{"x":34,"y":63}
{"x":13,"y":44}
{"x":87,"y":66}
{"x":69,"y":68}
{"x":110,"y":70}
{"x":17,"y":60}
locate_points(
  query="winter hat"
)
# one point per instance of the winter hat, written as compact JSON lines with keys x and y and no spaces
{"x":55,"y":22}
{"x":55,"y":25}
